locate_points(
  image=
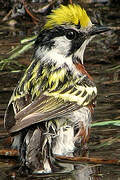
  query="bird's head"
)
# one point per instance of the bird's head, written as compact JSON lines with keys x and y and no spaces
{"x":65,"y":35}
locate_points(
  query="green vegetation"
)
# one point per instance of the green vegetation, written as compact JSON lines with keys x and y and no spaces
{"x":11,"y":62}
{"x":107,"y":123}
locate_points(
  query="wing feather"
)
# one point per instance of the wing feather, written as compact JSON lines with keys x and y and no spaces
{"x":45,"y":93}
{"x":39,"y":116}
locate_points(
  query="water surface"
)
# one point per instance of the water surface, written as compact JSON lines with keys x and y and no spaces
{"x":100,"y":56}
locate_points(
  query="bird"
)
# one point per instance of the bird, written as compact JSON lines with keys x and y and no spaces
{"x":50,"y":110}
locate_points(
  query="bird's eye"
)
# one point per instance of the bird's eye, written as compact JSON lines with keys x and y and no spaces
{"x":71,"y":34}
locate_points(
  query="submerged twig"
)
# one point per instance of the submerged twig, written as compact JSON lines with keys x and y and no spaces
{"x":9,"y":152}
{"x":87,"y":160}
{"x":65,"y":159}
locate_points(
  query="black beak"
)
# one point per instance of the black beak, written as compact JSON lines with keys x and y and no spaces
{"x":95,"y":29}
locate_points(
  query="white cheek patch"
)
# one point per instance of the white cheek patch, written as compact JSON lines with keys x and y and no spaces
{"x":57,"y":54}
{"x":62,"y":45}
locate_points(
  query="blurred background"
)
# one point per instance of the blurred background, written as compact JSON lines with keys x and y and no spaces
{"x":20,"y":23}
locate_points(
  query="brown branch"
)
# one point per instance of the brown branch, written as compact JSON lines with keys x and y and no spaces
{"x":7,"y":16}
{"x":87,"y":160}
{"x":9,"y":152}
{"x":64,"y":159}
{"x":35,"y":19}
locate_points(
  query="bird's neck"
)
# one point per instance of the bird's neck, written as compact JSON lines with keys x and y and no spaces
{"x":81,"y":68}
{"x":59,"y":60}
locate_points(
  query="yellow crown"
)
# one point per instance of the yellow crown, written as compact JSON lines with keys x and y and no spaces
{"x":71,"y":14}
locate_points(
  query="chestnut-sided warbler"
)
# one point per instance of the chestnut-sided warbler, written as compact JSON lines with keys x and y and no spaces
{"x":50,"y":109}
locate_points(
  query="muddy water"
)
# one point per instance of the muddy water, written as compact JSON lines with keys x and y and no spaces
{"x":101,"y":55}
